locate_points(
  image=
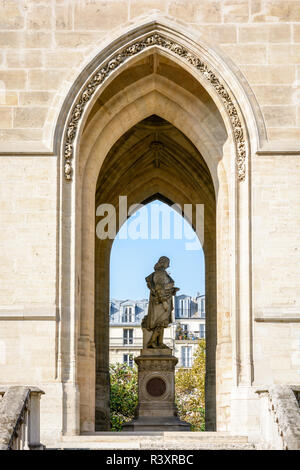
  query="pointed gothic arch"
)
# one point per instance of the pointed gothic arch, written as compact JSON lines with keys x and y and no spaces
{"x":88,"y":128}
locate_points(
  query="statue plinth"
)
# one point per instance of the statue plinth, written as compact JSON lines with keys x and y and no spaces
{"x":156,"y":410}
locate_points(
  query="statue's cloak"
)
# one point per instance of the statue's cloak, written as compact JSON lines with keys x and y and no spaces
{"x":160,"y":301}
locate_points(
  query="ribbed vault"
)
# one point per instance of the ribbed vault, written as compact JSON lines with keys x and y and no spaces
{"x":157,"y":78}
{"x":155,"y":158}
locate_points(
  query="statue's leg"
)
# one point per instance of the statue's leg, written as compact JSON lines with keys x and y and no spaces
{"x":155,"y":338}
{"x":152,"y":341}
{"x":161,"y":337}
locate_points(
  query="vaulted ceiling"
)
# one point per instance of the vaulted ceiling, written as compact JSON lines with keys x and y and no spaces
{"x":155,"y":160}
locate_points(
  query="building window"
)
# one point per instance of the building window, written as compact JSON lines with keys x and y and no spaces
{"x":186,"y":356}
{"x":111,"y":313}
{"x":128,"y":359}
{"x":127,"y":336}
{"x":185,"y":330}
{"x":128,"y":315}
{"x":202,"y":330}
{"x":180,"y":308}
{"x":203,"y":308}
{"x":184,"y":308}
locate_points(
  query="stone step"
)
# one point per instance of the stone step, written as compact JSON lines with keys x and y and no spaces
{"x":154,"y":440}
{"x":171,"y":447}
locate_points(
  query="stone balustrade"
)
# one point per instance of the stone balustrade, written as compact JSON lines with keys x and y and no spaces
{"x":280,"y":417}
{"x":20,"y":418}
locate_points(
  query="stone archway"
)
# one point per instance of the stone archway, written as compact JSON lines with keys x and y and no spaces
{"x":154,"y":158}
{"x":156,"y":70}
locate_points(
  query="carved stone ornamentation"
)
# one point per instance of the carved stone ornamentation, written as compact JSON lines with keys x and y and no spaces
{"x":112,"y":64}
{"x":156,"y":364}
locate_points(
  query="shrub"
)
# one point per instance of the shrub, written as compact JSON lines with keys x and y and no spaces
{"x":190,"y":391}
{"x":123,"y":394}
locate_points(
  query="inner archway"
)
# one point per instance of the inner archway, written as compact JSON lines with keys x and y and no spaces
{"x":154,"y":159}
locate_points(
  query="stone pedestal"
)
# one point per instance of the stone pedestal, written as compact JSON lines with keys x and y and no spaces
{"x":156,"y":410}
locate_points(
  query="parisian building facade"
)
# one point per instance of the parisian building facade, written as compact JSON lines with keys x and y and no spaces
{"x":126,"y":338}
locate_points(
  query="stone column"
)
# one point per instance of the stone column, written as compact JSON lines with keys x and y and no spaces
{"x":102,"y":389}
{"x":34,"y":420}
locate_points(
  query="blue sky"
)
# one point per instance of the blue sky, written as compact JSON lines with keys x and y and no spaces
{"x":139,"y":244}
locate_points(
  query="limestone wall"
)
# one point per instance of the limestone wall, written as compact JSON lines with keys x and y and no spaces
{"x":28,"y":267}
{"x":44,"y":43}
{"x":276,"y":296}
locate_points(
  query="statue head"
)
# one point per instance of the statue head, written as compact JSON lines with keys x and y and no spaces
{"x":162,"y":263}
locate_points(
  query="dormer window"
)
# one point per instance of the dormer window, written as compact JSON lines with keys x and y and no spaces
{"x":203,"y":307}
{"x":184,"y":308}
{"x":128,"y":315}
{"x":112,"y":313}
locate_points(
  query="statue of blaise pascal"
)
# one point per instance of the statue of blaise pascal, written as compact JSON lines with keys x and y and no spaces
{"x":160,"y":308}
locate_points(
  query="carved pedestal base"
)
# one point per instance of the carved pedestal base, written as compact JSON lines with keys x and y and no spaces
{"x":156,"y":410}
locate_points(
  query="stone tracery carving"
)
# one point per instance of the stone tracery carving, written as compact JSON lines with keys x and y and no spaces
{"x":156,"y":364}
{"x":155,"y":40}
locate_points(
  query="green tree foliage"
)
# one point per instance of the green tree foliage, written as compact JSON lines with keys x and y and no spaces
{"x":190,"y":391}
{"x":123,"y":394}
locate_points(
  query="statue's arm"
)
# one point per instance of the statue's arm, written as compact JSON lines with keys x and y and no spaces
{"x":162,"y":293}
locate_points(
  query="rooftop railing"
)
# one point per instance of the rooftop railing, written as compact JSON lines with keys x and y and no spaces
{"x":183,"y":336}
{"x":187,"y":313}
